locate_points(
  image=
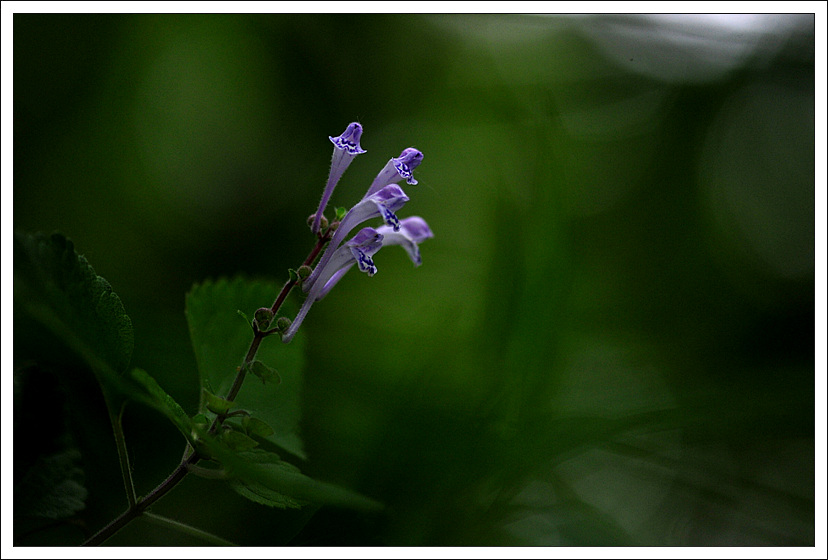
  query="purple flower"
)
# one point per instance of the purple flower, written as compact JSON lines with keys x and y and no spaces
{"x":346,"y":148}
{"x":383,"y":199}
{"x":413,"y":231}
{"x":358,"y":250}
{"x":383,"y":204}
{"x":396,"y":169}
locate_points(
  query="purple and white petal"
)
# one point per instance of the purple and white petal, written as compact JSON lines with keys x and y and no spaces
{"x":357,"y":250}
{"x":348,"y":141}
{"x":381,"y":204}
{"x":397,"y":169}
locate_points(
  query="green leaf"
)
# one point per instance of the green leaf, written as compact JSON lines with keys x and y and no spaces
{"x":260,"y":493}
{"x":238,"y":441}
{"x":58,"y":288}
{"x":263,"y":477}
{"x":157,"y":398}
{"x":258,"y":470}
{"x":216,"y":405}
{"x":264,"y":495}
{"x":266,"y":374}
{"x":220,"y":342}
{"x":255,"y":427}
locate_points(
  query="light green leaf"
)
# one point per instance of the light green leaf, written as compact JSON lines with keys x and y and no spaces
{"x":264,"y":476}
{"x":255,"y":427}
{"x":220,"y":342}
{"x":264,"y":495}
{"x":216,"y":405}
{"x":266,"y":374}
{"x":260,"y":493}
{"x":238,"y":441}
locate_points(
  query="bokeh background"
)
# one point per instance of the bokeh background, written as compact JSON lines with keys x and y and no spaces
{"x":610,"y":340}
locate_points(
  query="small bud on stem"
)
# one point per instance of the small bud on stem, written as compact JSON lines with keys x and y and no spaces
{"x":262,"y":318}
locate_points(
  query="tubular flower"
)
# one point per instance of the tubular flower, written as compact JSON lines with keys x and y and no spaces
{"x":357,"y":250}
{"x":346,"y":148}
{"x":382,"y":204}
{"x":413,"y":230}
{"x":397,"y":169}
{"x":383,"y":199}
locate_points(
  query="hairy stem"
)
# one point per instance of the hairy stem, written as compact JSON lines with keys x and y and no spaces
{"x":323,"y":239}
{"x":259,"y":336}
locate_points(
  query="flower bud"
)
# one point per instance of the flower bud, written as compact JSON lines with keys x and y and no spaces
{"x":323,"y":221}
{"x":262,"y":318}
{"x":282,"y":324}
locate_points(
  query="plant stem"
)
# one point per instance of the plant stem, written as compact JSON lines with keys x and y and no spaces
{"x":323,"y":239}
{"x":120,"y":444}
{"x":215,"y":474}
{"x":184,"y":528}
{"x":259,"y":336}
{"x":138,"y":507}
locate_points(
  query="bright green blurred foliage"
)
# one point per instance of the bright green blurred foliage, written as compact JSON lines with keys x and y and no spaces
{"x":611,"y":338}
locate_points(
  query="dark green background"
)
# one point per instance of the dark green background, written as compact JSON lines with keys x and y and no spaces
{"x":611,"y":338}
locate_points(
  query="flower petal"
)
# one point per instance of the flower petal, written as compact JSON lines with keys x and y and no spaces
{"x":363,"y":261}
{"x":346,"y":148}
{"x":357,"y":250}
{"x":382,"y":203}
{"x":413,"y":230}
{"x":348,"y":141}
{"x":397,"y":169}
{"x":416,"y":228}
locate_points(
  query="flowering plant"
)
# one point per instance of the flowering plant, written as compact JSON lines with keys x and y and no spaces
{"x":240,"y":431}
